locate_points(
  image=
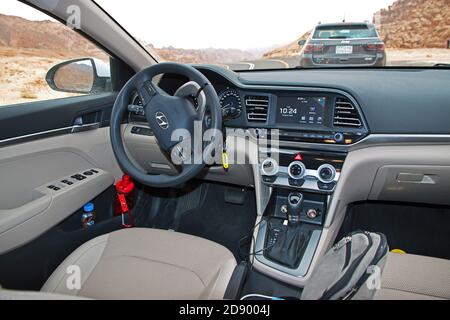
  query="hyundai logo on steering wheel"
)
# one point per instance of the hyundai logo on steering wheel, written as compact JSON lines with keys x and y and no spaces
{"x":162,"y":121}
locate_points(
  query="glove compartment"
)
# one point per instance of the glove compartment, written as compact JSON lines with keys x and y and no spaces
{"x":412,"y":183}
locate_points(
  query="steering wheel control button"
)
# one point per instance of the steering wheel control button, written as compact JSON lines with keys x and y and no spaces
{"x":297,"y":170}
{"x":150,"y":89}
{"x":269,"y":167}
{"x":146,"y":92}
{"x":326,"y":173}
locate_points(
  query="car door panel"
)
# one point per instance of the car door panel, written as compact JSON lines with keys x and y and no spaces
{"x":30,"y":164}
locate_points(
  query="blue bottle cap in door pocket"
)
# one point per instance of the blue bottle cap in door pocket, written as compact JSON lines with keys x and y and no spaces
{"x":88,"y":207}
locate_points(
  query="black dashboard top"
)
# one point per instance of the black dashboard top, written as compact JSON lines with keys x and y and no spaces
{"x":392,"y":100}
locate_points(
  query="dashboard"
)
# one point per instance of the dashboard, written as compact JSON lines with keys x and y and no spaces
{"x":380,"y":122}
{"x":316,"y":115}
{"x":331,"y":107}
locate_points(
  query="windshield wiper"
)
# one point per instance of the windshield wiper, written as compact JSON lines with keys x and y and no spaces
{"x":338,"y":37}
{"x":442,"y":65}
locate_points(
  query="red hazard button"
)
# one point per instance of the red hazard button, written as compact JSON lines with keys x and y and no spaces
{"x":298,"y":157}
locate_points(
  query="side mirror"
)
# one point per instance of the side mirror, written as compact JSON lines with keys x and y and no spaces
{"x":85,"y":75}
{"x":301,"y":42}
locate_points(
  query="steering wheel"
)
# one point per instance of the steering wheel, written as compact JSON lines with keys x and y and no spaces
{"x":165,"y":115}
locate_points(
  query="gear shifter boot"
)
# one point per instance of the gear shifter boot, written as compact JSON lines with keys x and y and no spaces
{"x":289,"y":247}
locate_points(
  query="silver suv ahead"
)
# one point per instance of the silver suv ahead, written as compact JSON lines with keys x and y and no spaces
{"x":343,"y":44}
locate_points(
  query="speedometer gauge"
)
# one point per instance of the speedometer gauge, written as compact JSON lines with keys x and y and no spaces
{"x":231,"y":104}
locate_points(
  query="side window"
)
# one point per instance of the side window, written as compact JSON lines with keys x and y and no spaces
{"x":43,"y":59}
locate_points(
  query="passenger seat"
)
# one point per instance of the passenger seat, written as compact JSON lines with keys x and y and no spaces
{"x":413,"y":277}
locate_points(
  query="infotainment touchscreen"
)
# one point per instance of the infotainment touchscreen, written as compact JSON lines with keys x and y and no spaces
{"x":301,"y":110}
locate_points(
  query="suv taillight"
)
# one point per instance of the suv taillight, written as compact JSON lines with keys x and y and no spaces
{"x":375,"y":46}
{"x":310,"y":48}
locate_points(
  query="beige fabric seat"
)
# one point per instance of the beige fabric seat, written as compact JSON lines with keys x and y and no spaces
{"x":413,"y":277}
{"x":147,"y":264}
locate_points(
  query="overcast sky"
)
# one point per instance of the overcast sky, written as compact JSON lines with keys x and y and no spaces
{"x":242,"y":24}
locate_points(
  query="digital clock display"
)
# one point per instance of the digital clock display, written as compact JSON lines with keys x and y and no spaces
{"x":301,"y":110}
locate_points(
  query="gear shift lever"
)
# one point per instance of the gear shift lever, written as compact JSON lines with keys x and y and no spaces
{"x":290,"y":241}
{"x":294,"y":208}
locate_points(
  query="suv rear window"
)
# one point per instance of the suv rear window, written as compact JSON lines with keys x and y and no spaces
{"x":344,"y":32}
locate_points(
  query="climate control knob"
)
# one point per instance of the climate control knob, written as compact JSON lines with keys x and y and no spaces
{"x":269,"y":167}
{"x":326,"y":173}
{"x":297,"y":170}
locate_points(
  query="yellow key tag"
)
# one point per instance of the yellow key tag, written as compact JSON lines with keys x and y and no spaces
{"x":225,"y":163}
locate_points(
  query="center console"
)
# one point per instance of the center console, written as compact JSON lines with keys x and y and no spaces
{"x":302,"y":147}
{"x":302,"y":183}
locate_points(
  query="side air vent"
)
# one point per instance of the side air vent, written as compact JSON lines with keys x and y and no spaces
{"x":257,"y":107}
{"x":345,"y":114}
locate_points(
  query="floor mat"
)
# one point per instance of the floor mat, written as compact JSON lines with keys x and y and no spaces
{"x":421,"y":230}
{"x":217,"y":220}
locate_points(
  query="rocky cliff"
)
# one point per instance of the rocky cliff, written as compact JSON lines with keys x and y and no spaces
{"x":289,"y":50}
{"x":207,"y":55}
{"x":53,"y":38}
{"x":408,"y":24}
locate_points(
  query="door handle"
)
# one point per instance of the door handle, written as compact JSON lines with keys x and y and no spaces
{"x":85,"y":127}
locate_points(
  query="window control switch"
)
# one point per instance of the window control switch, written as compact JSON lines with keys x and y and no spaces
{"x":78,"y":177}
{"x":67,"y":182}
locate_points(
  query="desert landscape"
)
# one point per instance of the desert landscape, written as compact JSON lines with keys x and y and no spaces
{"x":28,"y":49}
{"x":412,"y":30}
{"x":415,"y":33}
{"x":19,"y":83}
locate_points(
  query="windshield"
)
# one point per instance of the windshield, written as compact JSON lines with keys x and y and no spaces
{"x":345,"y":32}
{"x":262,"y":34}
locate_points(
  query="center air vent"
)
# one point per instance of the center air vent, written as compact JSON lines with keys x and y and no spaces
{"x":256,"y":107}
{"x":345,"y":114}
